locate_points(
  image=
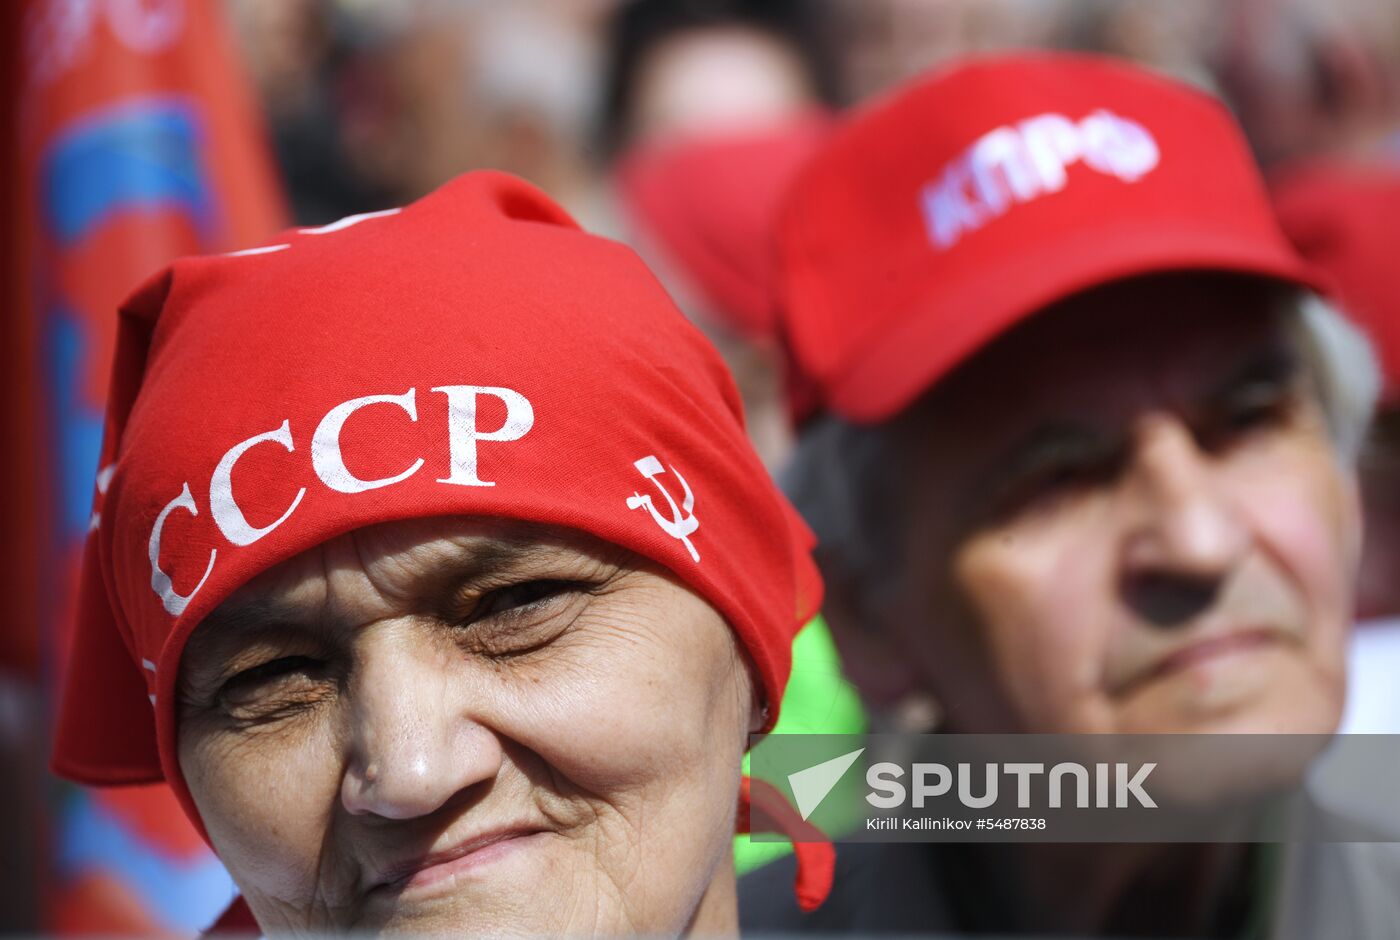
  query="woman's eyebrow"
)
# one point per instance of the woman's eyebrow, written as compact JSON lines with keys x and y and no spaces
{"x":479,"y":561}
{"x":448,"y":570}
{"x":254,"y":614}
{"x":237,"y":622}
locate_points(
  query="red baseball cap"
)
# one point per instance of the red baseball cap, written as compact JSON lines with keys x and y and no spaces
{"x":474,"y":353}
{"x":1342,"y":219}
{"x":941,"y":215}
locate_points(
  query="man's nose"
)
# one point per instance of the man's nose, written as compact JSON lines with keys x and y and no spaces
{"x":1186,"y":535}
{"x":415,"y":742}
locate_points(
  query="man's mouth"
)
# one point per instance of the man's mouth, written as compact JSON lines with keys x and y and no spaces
{"x":1206,"y":650}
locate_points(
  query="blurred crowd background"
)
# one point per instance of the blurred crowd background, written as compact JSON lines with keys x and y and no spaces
{"x":371,"y":104}
{"x":367,"y":104}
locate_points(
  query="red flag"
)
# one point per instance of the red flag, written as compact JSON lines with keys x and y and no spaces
{"x":138,"y":140}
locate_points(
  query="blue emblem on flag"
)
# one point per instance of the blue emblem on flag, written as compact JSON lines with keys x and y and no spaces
{"x":145,"y":153}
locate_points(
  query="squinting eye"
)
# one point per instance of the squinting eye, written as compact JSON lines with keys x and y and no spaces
{"x":523,"y":595}
{"x":1251,"y":408}
{"x":520,"y":618}
{"x":1058,"y":481}
{"x":249,"y":681}
{"x":1048,"y":485}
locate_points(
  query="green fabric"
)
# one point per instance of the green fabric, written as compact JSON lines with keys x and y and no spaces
{"x":818,"y":700}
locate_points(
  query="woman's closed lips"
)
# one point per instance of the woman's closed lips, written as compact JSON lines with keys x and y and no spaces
{"x":425,"y":870}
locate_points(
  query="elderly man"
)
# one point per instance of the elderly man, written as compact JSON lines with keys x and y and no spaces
{"x":1086,"y":465}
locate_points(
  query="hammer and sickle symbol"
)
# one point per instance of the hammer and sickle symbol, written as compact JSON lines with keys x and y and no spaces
{"x":682,"y":521}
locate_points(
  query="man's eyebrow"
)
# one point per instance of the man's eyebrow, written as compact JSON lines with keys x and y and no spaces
{"x":1280,"y":363}
{"x":1050,"y":444}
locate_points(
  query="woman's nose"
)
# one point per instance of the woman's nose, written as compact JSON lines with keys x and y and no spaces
{"x":415,"y":741}
{"x":1187,"y":536}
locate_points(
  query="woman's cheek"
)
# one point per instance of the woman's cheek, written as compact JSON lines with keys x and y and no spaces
{"x":268,"y":800}
{"x":626,"y":696}
{"x":590,"y":712}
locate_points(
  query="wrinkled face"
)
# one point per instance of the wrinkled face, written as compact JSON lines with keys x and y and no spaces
{"x":1133,"y":521}
{"x":466,"y":727}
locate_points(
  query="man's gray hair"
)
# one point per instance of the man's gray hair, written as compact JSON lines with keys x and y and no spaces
{"x":847,"y":480}
{"x":1345,"y":368}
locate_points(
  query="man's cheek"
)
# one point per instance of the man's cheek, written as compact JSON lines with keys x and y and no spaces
{"x":1075,"y":612}
{"x":1308,"y":524}
{"x":1044,"y":607}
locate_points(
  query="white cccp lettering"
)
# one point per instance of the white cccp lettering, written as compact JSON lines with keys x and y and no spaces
{"x":326,"y":458}
{"x":328,"y":462}
{"x":174,"y":603}
{"x":224,"y":508}
{"x":462,"y":432}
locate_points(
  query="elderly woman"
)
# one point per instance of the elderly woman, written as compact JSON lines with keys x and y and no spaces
{"x":430,"y":566}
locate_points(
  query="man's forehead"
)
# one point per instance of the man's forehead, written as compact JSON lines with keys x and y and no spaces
{"x":1128,"y":344}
